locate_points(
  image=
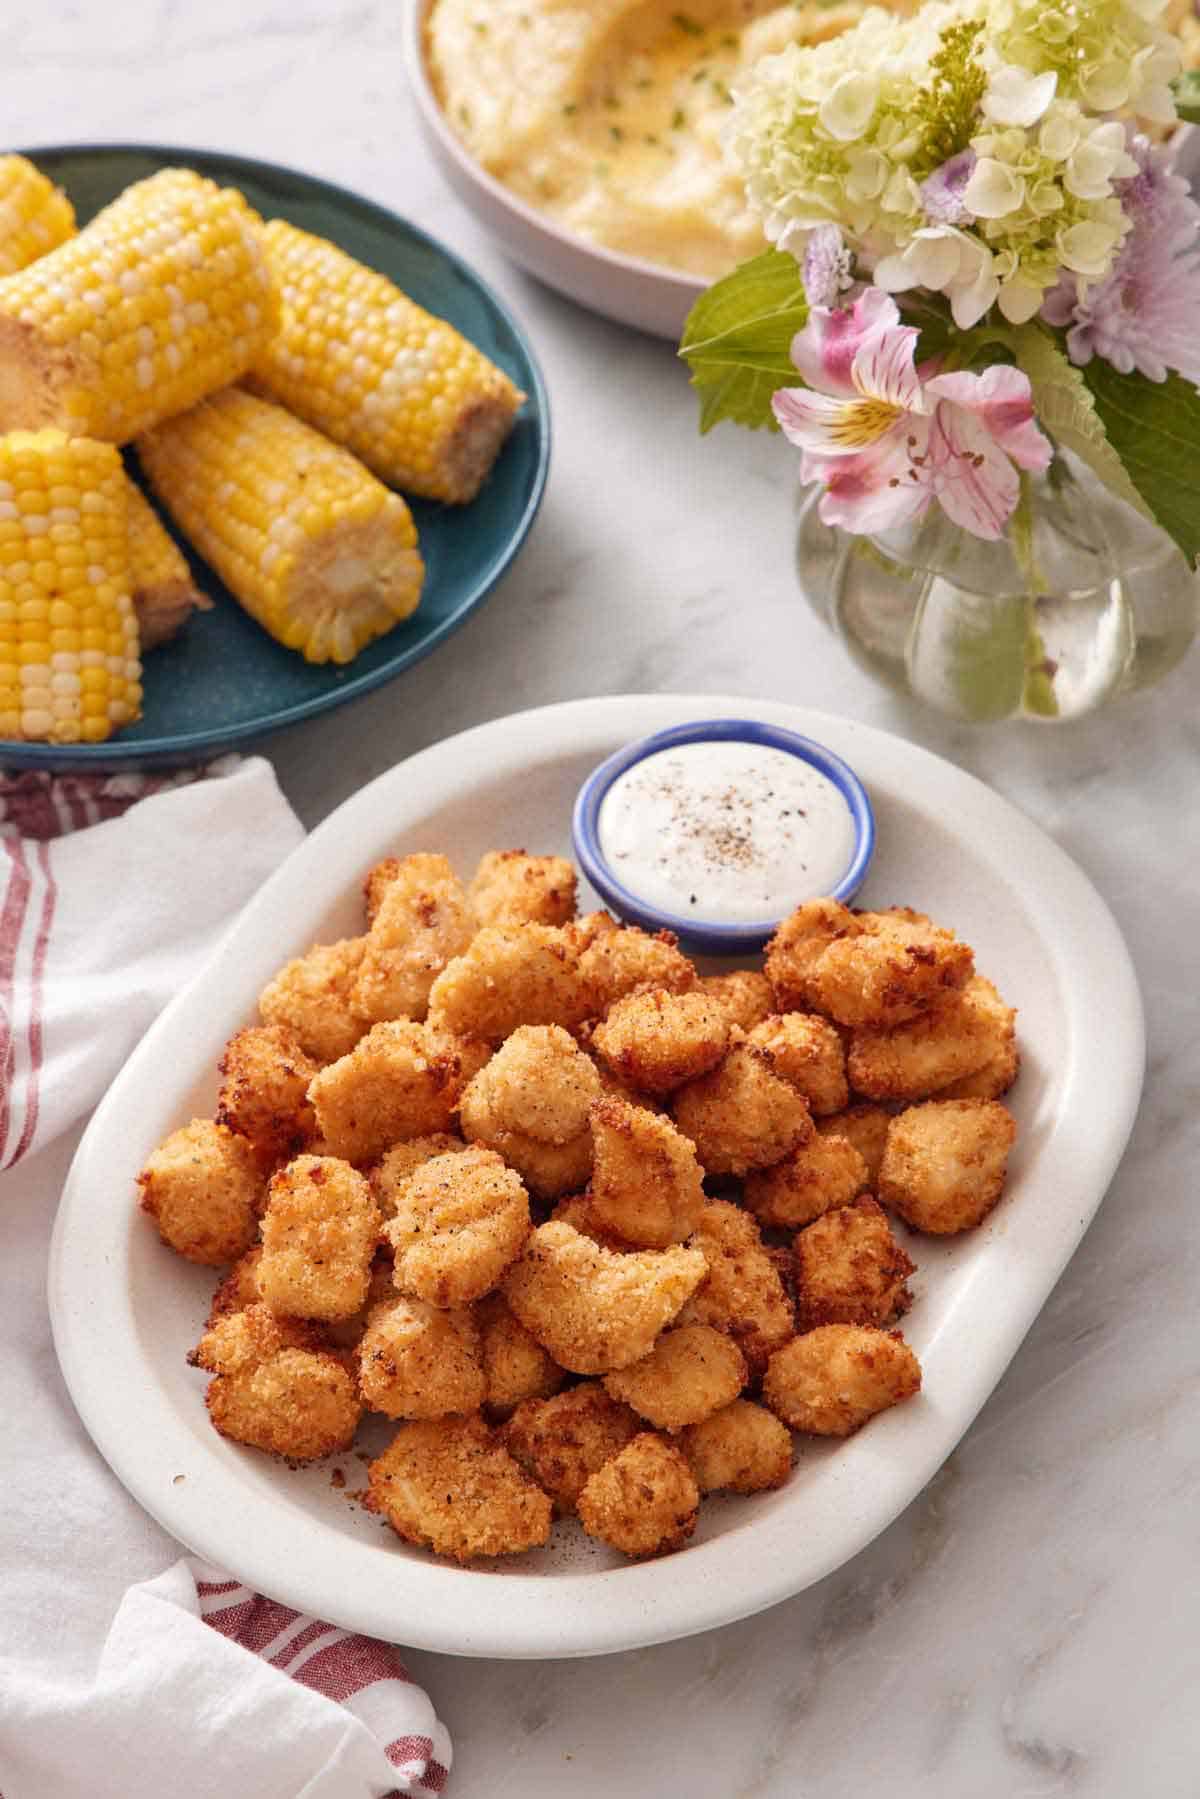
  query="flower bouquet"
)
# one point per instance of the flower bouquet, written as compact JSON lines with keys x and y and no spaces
{"x":980,"y":325}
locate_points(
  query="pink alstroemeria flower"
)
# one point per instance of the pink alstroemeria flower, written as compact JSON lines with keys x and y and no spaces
{"x":888,"y":439}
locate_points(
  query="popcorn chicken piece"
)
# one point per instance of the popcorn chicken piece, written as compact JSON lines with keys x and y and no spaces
{"x":882,"y":977}
{"x":276,"y":1387}
{"x":239,"y":1288}
{"x":864,"y":1126}
{"x":263,"y":1093}
{"x":745,"y":996}
{"x":958,"y":1037}
{"x":319,"y":1233}
{"x":627,"y":960}
{"x":647,"y":1186}
{"x":423,"y":920}
{"x":511,"y":975}
{"x":310,"y":997}
{"x":742,"y":1293}
{"x":945,"y":1162}
{"x":584,"y":931}
{"x":578,"y":1211}
{"x":832,"y":1380}
{"x":417,"y":1362}
{"x":403,"y":1080}
{"x":654,"y":1041}
{"x":992,"y":1081}
{"x":742,"y":1115}
{"x":392,"y":1170}
{"x":348,"y":1333}
{"x":515,"y":1365}
{"x":644,"y":1501}
{"x":619,"y":1089}
{"x":850,"y":1269}
{"x":798,"y":945}
{"x":376,"y":883}
{"x":511,"y":887}
{"x":807,"y":1052}
{"x":448,"y":1485}
{"x":561,"y":1442}
{"x":692,"y":1371}
{"x":826,"y":1171}
{"x":203,"y":1187}
{"x":539,"y":1082}
{"x":743,"y":1448}
{"x":592,"y":1309}
{"x":460,"y":1220}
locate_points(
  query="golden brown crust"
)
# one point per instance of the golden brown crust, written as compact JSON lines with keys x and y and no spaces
{"x":850,"y":1269}
{"x":460,"y":1221}
{"x":203,"y":1187}
{"x":742,"y":1115}
{"x":276,"y":1388}
{"x":530,"y":1104}
{"x":743,"y":1448}
{"x":742,"y":1293}
{"x":319,"y":1232}
{"x":962,"y":1033}
{"x":239,"y":1288}
{"x":642,"y":1502}
{"x":561,"y":1442}
{"x":806,"y":1051}
{"x":403,"y":1080}
{"x":310,"y":997}
{"x":417,"y":1362}
{"x":422,"y":921}
{"x":692,"y":1371}
{"x":866,"y":1127}
{"x":393,"y":1169}
{"x":744,"y":995}
{"x":879,"y":978}
{"x":620,"y":962}
{"x":798,"y":945}
{"x":826,"y":1171}
{"x":830,"y":1381}
{"x":512,"y":887}
{"x":945,"y":1163}
{"x":376,"y":882}
{"x":647,"y":1186}
{"x":511,"y":975}
{"x":515,"y":1365}
{"x":263,"y":1094}
{"x":654,"y":1040}
{"x":448,"y":1485}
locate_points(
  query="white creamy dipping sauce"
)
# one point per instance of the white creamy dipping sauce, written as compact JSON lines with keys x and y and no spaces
{"x":726,"y":832}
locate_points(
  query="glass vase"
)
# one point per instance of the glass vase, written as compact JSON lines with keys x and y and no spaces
{"x":1082,"y":600}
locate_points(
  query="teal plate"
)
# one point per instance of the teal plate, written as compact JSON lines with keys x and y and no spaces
{"x":223,"y":681}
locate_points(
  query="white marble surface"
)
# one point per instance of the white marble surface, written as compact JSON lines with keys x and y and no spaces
{"x":1031,"y":1626}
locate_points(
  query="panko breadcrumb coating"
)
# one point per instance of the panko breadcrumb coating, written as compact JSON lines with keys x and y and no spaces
{"x":644,"y":1501}
{"x":944,"y":1165}
{"x":808,"y":1052}
{"x":239,"y":1288}
{"x":563,"y":1441}
{"x":956,"y":1038}
{"x":424,"y":919}
{"x":512,"y":887}
{"x":742,"y":1293}
{"x":850,"y":1269}
{"x":878,"y":979}
{"x":584,"y":931}
{"x":392,"y":1170}
{"x":654,"y":1040}
{"x":508,"y":976}
{"x":515,"y":1365}
{"x":460,"y":1220}
{"x":203,"y":1187}
{"x":692,"y":1371}
{"x":318,"y":1233}
{"x":799,"y":944}
{"x":276,"y":1388}
{"x":264,"y":1091}
{"x":447,"y":1484}
{"x":310,"y":997}
{"x":992,"y":1081}
{"x":376,"y":882}
{"x":826,"y":1171}
{"x":830,"y":1381}
{"x":578,"y":1211}
{"x":744,"y":995}
{"x":866,"y":1127}
{"x":539,"y":1082}
{"x":647,"y":1186}
{"x":742,"y":1115}
{"x":628,"y":960}
{"x":417,"y":1362}
{"x":743,"y":1448}
{"x":591,"y":1308}
{"x":403,"y":1080}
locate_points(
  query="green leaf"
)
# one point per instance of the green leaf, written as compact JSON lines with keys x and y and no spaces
{"x":1154,"y":427}
{"x":737,"y":338}
{"x":1187,"y":96}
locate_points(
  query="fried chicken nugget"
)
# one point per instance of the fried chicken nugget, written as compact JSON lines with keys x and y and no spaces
{"x":263,"y":1094}
{"x":392,"y":1170}
{"x":595,"y":1310}
{"x":319,"y":1233}
{"x":992,"y":1081}
{"x":424,"y":919}
{"x":203,"y":1187}
{"x":864,"y":1126}
{"x":957,"y":1038}
{"x":832,"y":1380}
{"x":644,"y":1501}
{"x":745,"y":996}
{"x":850,"y":1269}
{"x":561,"y":1442}
{"x":627,"y":960}
{"x":239,"y":1288}
{"x":511,"y":975}
{"x":578,"y":1211}
{"x":511,"y":887}
{"x":882,"y":977}
{"x":808,"y":1052}
{"x":310,"y":997}
{"x":742,"y":1115}
{"x":944,"y":1165}
{"x":460,"y":1220}
{"x":515,"y":1365}
{"x":403,"y":1080}
{"x":376,"y":882}
{"x":276,"y":1387}
{"x":743,"y":1448}
{"x":692,"y":1371}
{"x":448,"y":1485}
{"x":825,"y":1172}
{"x":539,"y":1082}
{"x":417,"y":1362}
{"x":742,"y":1293}
{"x":799,"y":943}
{"x":655,"y":1041}
{"x":647,"y":1186}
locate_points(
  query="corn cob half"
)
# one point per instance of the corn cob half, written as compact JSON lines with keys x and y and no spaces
{"x":419,"y":404}
{"x":164,"y":594}
{"x":164,"y":297}
{"x":35,"y":216}
{"x":69,"y":668}
{"x":314,"y":547}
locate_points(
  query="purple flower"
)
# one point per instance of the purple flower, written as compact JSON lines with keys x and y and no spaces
{"x":942,"y":192}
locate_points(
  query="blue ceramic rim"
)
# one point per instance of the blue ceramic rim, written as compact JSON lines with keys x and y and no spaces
{"x":731,"y":939}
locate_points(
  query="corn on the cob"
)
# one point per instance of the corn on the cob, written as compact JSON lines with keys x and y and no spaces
{"x":314,"y":547}
{"x":165,"y":297}
{"x":164,"y":594}
{"x":419,"y":404}
{"x":35,"y":216}
{"x":69,"y":668}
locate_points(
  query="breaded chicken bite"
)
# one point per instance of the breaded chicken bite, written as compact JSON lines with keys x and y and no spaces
{"x":276,"y":1387}
{"x":376,"y":882}
{"x":578,"y":1211}
{"x":561,"y":1442}
{"x":962,"y":1033}
{"x":515,"y":1365}
{"x":591,"y":1308}
{"x":403,"y":1080}
{"x":832,"y":1380}
{"x":310,"y":997}
{"x":692,"y":1371}
{"x":448,"y":1485}
{"x":459,"y":1222}
{"x":879,"y":979}
{"x":238,"y":1290}
{"x":619,"y":1089}
{"x":511,"y":887}
{"x":508,"y":976}
{"x":263,"y":1094}
{"x":742,"y":1115}
{"x":644,"y":1501}
{"x":808,"y":1052}
{"x":392,"y":1170}
{"x":864,"y":1126}
{"x":424,"y":920}
{"x":850,"y":1269}
{"x":417,"y":1362}
{"x":992,"y":1081}
{"x":647,"y":1186}
{"x":826,"y":1171}
{"x":318,"y":1233}
{"x":628,"y":960}
{"x":745,"y":996}
{"x":584,"y":931}
{"x":654,"y":1041}
{"x":530,"y":1104}
{"x":203,"y":1187}
{"x":743,"y":1448}
{"x":742,"y":1293}
{"x":799,"y":943}
{"x":945,"y":1162}
{"x":348,"y":1333}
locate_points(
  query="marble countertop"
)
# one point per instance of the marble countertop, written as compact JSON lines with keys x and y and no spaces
{"x":1029,"y":1626}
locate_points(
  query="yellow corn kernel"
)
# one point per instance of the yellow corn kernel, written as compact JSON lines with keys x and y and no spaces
{"x":35,"y":216}
{"x":164,"y":594}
